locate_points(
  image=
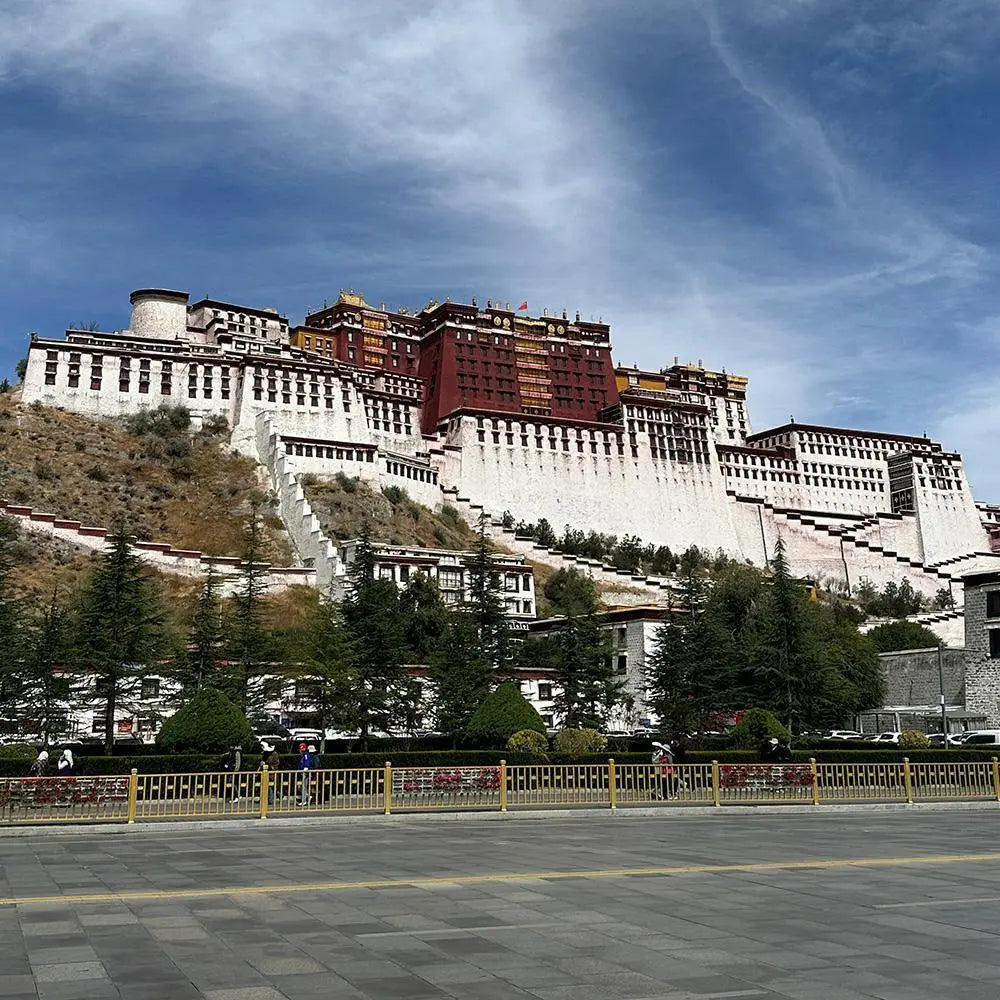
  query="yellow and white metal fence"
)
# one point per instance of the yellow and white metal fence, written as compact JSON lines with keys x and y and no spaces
{"x":262,"y":794}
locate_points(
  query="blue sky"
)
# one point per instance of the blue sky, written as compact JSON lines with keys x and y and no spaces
{"x":804,"y":191}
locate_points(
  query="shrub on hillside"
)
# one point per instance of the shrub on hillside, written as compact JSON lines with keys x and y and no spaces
{"x":757,"y":725}
{"x":208,"y":723}
{"x":503,"y":713}
{"x":575,"y":741}
{"x":18,"y":751}
{"x":913,"y":739}
{"x":902,"y":635}
{"x":163,"y":421}
{"x":528,"y":741}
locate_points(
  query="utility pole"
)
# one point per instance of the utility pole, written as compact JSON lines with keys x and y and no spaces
{"x":944,"y":710}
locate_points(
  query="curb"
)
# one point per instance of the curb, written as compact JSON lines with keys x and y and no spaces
{"x":70,"y":828}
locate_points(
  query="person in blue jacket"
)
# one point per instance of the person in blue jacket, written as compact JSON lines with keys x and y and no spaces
{"x":307,"y":763}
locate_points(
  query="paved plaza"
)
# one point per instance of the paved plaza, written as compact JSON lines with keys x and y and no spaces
{"x":825,"y":906}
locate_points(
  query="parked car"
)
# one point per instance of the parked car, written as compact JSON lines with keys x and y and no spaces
{"x":843,"y":734}
{"x":890,"y":737}
{"x":982,"y":737}
{"x":306,"y":734}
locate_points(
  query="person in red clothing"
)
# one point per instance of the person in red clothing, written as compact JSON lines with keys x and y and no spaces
{"x":663,"y":756}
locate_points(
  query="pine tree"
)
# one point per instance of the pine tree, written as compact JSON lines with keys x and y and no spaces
{"x":785,"y":658}
{"x":460,"y":676}
{"x":250,"y":645}
{"x":484,"y":605}
{"x":425,"y":618}
{"x":10,"y":625}
{"x":119,"y":628}
{"x":325,"y":663}
{"x":382,"y":694}
{"x":588,"y":687}
{"x":47,"y":683}
{"x":200,"y":661}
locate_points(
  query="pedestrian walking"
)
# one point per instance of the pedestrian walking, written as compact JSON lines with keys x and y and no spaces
{"x":663,"y":756}
{"x":66,"y":766}
{"x":233,"y":763}
{"x":269,"y":758}
{"x":307,"y":762}
{"x":39,"y":766}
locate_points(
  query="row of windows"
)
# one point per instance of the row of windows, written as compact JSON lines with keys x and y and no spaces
{"x":411,"y":472}
{"x":328,"y":451}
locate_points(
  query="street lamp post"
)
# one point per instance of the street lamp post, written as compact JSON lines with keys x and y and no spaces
{"x":944,"y":710}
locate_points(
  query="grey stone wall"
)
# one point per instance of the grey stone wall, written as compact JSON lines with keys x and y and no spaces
{"x":912,"y":676}
{"x":982,"y":675}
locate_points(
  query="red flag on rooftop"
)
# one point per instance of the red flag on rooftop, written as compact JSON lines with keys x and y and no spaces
{"x":523,"y":305}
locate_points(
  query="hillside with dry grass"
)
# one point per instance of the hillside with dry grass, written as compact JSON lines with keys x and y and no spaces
{"x":344,"y":505}
{"x":189,"y":489}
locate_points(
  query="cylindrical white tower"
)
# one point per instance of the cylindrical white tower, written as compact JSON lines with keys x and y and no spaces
{"x":159,"y":313}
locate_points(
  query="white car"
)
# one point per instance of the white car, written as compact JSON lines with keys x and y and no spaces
{"x":843,"y":734}
{"x":981,"y":737}
{"x":310,"y":735}
{"x":890,"y":737}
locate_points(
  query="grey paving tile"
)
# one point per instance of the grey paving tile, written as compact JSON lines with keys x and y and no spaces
{"x":68,"y":972}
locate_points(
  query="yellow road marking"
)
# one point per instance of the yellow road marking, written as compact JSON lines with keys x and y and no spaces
{"x":257,"y":890}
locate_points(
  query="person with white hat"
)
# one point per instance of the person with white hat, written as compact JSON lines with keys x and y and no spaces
{"x":663,"y":756}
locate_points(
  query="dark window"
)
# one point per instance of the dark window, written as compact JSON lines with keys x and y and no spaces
{"x":544,"y":692}
{"x":993,"y":604}
{"x":994,"y":634}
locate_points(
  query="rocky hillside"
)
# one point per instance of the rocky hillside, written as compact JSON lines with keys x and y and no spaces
{"x":343,"y":505}
{"x":169,"y":485}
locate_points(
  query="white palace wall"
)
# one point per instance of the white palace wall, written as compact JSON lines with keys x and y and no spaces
{"x":661,"y":502}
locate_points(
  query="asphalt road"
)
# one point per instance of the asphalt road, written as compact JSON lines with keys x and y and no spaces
{"x":899,"y":906}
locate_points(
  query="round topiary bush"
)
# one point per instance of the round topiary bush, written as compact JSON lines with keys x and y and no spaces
{"x":757,"y":725}
{"x":208,"y":723}
{"x":503,"y":713}
{"x":578,"y":741}
{"x":18,"y":751}
{"x":528,"y":741}
{"x":913,"y":739}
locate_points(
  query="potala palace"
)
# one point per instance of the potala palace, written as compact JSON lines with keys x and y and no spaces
{"x":489,"y":409}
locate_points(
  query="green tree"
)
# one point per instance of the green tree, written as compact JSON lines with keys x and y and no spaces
{"x":785,"y":656}
{"x":21,"y":369}
{"x":325,"y":664}
{"x":382,"y":693}
{"x":588,"y":687}
{"x":571,"y":592}
{"x":484,"y":605}
{"x":757,"y":725}
{"x":250,"y":647}
{"x":460,"y":676}
{"x":425,"y":618}
{"x":46,"y":683}
{"x":505,"y":712}
{"x":200,"y":662}
{"x":208,"y":722}
{"x":120,"y":630}
{"x":902,"y":635}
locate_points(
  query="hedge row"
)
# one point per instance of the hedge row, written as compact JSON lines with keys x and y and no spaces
{"x":190,"y":763}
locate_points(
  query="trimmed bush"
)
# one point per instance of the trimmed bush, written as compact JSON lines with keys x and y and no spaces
{"x":528,"y":741}
{"x":577,"y":741}
{"x":913,"y":739}
{"x":208,"y":723}
{"x":503,"y":713}
{"x":18,"y":751}
{"x":757,"y":725}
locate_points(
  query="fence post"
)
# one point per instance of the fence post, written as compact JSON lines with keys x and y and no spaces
{"x":612,"y":783}
{"x":265,"y":784}
{"x":133,"y":793}
{"x":996,"y":779}
{"x":387,"y":789}
{"x":715,"y":784}
{"x":815,"y":780}
{"x":503,"y":786}
{"x":907,"y":781}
